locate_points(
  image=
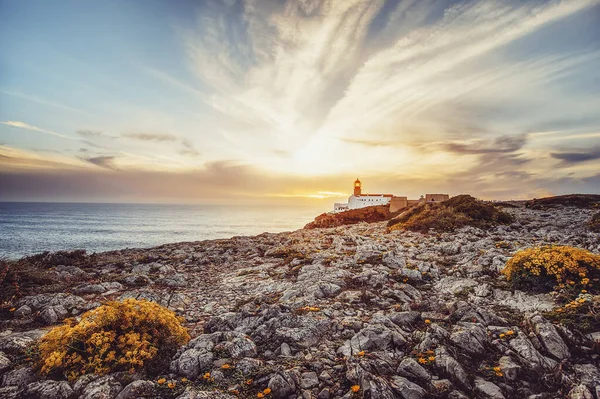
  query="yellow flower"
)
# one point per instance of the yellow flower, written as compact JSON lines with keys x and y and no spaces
{"x":226,"y":366}
{"x":431,"y":358}
{"x":161,"y":381}
{"x":510,"y":332}
{"x":422,"y":360}
{"x":355,"y":388}
{"x":581,"y":300}
{"x":171,"y":385}
{"x":184,"y":380}
{"x":497,"y":368}
{"x":12,"y":309}
{"x":502,"y":335}
{"x":584,"y":291}
{"x":206,"y":376}
{"x":427,"y":321}
{"x":267,"y":391}
{"x":260,"y":395}
{"x":361,"y":353}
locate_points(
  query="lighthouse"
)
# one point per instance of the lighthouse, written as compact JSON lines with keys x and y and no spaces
{"x":357,"y":188}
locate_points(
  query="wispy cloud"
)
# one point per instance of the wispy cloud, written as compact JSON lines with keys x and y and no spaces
{"x":574,"y":157}
{"x":102,"y":161}
{"x":151,"y":136}
{"x":502,"y":144}
{"x":42,"y":101}
{"x":23,"y":125}
{"x":303,"y":73}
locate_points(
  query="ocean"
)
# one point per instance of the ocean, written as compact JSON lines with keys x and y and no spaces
{"x":28,"y":228}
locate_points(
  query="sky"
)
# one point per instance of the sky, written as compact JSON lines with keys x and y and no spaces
{"x":261,"y":101}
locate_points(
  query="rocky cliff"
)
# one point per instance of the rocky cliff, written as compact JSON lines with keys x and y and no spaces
{"x":339,"y":312}
{"x":369,"y":214}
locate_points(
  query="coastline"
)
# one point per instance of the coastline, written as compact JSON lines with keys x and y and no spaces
{"x":293,"y":311}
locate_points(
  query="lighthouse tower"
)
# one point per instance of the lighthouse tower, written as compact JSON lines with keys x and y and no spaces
{"x":357,"y":187}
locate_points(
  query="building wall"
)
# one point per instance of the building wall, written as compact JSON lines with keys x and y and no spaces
{"x":338,"y":207}
{"x":436,"y":197}
{"x":398,"y":203}
{"x":364,"y":201}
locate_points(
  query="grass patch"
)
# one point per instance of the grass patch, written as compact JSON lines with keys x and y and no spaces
{"x":594,"y":223}
{"x":447,"y":216}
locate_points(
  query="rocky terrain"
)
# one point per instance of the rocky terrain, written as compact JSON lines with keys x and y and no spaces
{"x":341,"y":312}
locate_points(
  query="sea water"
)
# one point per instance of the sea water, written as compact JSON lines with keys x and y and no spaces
{"x":29,"y":228}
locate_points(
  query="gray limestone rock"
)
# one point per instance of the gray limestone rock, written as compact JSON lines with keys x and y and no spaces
{"x":550,"y":338}
{"x":192,"y":362}
{"x":451,"y":367}
{"x":509,"y":368}
{"x":409,"y":368}
{"x":17,"y":343}
{"x":18,"y":377}
{"x":106,"y":387}
{"x":23,"y":311}
{"x":471,"y":337}
{"x":309,"y":380}
{"x":527,"y":352}
{"x":137,"y":280}
{"x":5,"y":363}
{"x":282,"y":386}
{"x":49,"y":389}
{"x":193,"y":393}
{"x":241,"y":347}
{"x":136,"y":389}
{"x":10,"y":392}
{"x":580,"y":392}
{"x":487,"y":389}
{"x":407,"y":389}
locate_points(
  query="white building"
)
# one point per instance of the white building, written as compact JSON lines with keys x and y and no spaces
{"x":360,"y":200}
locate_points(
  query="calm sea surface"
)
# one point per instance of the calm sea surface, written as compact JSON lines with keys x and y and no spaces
{"x":28,"y":228}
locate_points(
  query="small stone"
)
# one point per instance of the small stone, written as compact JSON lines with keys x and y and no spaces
{"x":281,"y":387}
{"x":23,"y":311}
{"x":285,"y":350}
{"x":136,"y":389}
{"x":309,"y":380}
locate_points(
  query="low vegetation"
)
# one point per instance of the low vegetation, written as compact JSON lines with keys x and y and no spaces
{"x":553,"y":267}
{"x":457,"y":212}
{"x":594,"y":223}
{"x":573,"y":274}
{"x":572,"y":200}
{"x":133,"y":335}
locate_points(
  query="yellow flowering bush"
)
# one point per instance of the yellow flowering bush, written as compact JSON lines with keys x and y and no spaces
{"x":553,"y":266}
{"x":117,"y":336}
